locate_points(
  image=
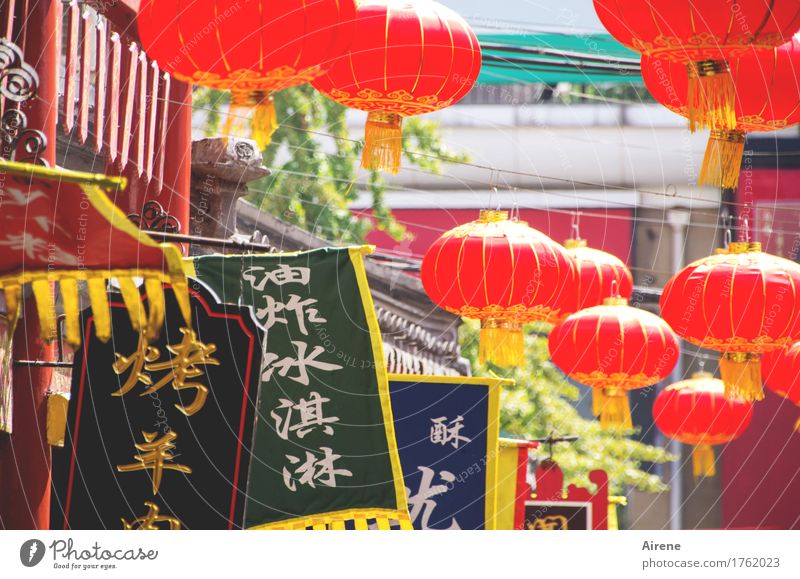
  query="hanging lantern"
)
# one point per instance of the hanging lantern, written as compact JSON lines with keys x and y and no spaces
{"x":781,"y":373}
{"x":766,"y":100}
{"x":252,"y":48}
{"x":695,"y":411}
{"x":614,"y":348}
{"x":702,"y":35}
{"x":501,"y":272}
{"x":742,"y":303}
{"x":598,"y":275}
{"x":407,"y":58}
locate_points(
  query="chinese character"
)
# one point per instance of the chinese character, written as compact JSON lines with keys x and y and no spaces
{"x":422,"y":503}
{"x":442,"y":432}
{"x":282,"y":275}
{"x":313,"y":470}
{"x":149,"y":522}
{"x":189,"y":354}
{"x":301,"y":362}
{"x":310,"y":416}
{"x":143,"y":353}
{"x":155,"y":455}
{"x":551,"y":523}
{"x":296,"y":305}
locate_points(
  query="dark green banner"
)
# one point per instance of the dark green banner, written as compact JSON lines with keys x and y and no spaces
{"x":324,"y":450}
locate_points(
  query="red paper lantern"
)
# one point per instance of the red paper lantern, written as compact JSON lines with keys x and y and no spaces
{"x":781,"y":373}
{"x":742,"y":303}
{"x":250,"y":48}
{"x":703,"y":35}
{"x":695,"y":411}
{"x":767,"y":92}
{"x":501,"y":272}
{"x":407,"y":58}
{"x":599,"y":275}
{"x":614,"y":348}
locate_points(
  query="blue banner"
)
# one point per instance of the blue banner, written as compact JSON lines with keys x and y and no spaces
{"x":447,"y":430}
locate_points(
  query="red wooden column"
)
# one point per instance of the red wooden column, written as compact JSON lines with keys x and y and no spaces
{"x":25,"y":455}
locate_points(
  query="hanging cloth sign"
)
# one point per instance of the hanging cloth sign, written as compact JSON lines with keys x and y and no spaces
{"x":58,"y":225}
{"x":158,"y":433}
{"x":447,"y":429}
{"x":325,"y":454}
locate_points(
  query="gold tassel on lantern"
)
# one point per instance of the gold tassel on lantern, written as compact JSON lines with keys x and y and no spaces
{"x":383,"y":142}
{"x":501,"y":343}
{"x":703,"y":461}
{"x":741,"y":373}
{"x":598,"y":400}
{"x":723,"y":159}
{"x":711,"y":96}
{"x":253,"y":113}
{"x":615,"y":410}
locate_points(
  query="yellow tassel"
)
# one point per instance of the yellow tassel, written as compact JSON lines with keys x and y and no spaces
{"x":722,"y":162}
{"x":405,"y":525}
{"x":13,"y":295}
{"x":615,"y":413}
{"x":383,"y":142}
{"x":361,"y":524}
{"x":383,"y":524}
{"x":72,"y":310}
{"x":99,"y":300}
{"x":155,"y":304}
{"x":253,"y":113}
{"x":57,"y":405}
{"x":741,"y":373}
{"x":501,"y":343}
{"x":797,"y":425}
{"x":45,"y":305}
{"x":711,"y":96}
{"x":180,"y":290}
{"x":337,"y":526}
{"x":133,"y":302}
{"x":703,"y":461}
{"x":598,"y":400}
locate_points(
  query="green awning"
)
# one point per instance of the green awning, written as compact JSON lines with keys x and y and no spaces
{"x":552,"y":57}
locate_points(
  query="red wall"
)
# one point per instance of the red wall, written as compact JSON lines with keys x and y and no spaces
{"x":761,"y":470}
{"x":610,"y":230}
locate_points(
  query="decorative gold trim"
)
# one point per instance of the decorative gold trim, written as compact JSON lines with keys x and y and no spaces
{"x":737,"y":344}
{"x":400,"y":101}
{"x":615,"y":301}
{"x":575,"y":243}
{"x":490,"y":216}
{"x":250,"y":80}
{"x":618,"y":380}
{"x":519,"y":313}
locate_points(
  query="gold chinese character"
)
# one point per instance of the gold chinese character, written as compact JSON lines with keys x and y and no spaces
{"x":149,"y":522}
{"x":187,"y":356}
{"x":551,"y":523}
{"x":155,"y":455}
{"x":144,"y":353}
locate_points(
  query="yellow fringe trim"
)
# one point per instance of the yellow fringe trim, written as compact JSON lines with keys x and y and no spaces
{"x":722,"y":162}
{"x":615,"y":411}
{"x":797,"y":425}
{"x":598,"y":401}
{"x":95,"y":187}
{"x":383,"y":142}
{"x":502,"y":343}
{"x":335,"y":521}
{"x":252,"y":113}
{"x":741,"y":373}
{"x":57,"y":405}
{"x":703,"y":461}
{"x":711,"y":96}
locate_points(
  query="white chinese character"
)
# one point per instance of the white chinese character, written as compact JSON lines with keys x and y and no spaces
{"x":422,"y":503}
{"x":312,"y":470}
{"x":311,"y":415}
{"x":282,"y":275}
{"x":269,"y":314}
{"x":302,"y":362}
{"x":442,"y":432}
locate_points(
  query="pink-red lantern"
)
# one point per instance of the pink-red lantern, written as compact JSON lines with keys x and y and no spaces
{"x":501,"y":272}
{"x":407,"y":58}
{"x":741,"y":302}
{"x":614,"y":348}
{"x":781,"y":373}
{"x":695,"y":411}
